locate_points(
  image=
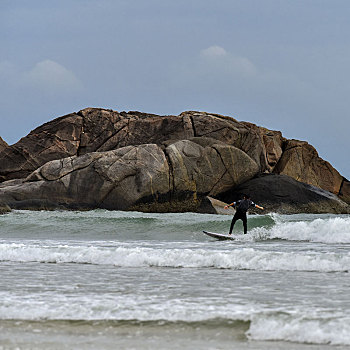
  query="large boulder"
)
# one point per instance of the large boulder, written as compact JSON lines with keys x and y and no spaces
{"x":283,"y":194}
{"x":210,"y":168}
{"x":131,"y":176}
{"x":100,"y":130}
{"x":302,"y":162}
{"x":89,"y":130}
{"x":113,"y":180}
{"x":273,"y":142}
{"x":244,"y":136}
{"x":64,"y":162}
{"x":105,"y":130}
{"x":54,"y":140}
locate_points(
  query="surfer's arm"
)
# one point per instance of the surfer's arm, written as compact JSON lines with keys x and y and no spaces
{"x":230,"y":205}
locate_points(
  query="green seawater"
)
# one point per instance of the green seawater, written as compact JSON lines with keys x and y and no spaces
{"x":129,"y":280}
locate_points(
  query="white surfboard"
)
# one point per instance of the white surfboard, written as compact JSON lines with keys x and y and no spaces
{"x":220,"y":236}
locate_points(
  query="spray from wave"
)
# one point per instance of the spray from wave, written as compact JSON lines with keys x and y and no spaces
{"x":333,"y":230}
{"x":130,"y":256}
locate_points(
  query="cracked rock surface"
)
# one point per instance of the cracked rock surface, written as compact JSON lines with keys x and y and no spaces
{"x":98,"y":158}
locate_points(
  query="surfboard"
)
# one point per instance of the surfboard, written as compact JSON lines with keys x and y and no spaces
{"x":219,"y":236}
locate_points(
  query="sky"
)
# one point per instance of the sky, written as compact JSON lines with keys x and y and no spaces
{"x":280,"y":64}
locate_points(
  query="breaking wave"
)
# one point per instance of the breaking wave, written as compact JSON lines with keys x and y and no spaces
{"x":255,"y":323}
{"x":130,"y":256}
{"x":331,"y":230}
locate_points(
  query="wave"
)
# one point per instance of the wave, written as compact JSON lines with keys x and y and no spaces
{"x":131,"y":256}
{"x":159,"y":225}
{"x":331,"y":230}
{"x":250,"y":321}
{"x":301,"y":329}
{"x":174,"y":226}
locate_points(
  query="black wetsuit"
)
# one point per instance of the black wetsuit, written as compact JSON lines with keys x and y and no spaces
{"x":242,"y":207}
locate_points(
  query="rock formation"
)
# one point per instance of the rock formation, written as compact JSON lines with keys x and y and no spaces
{"x":301,"y":162}
{"x":99,"y":158}
{"x":283,"y":194}
{"x":98,"y":130}
{"x":3,"y":144}
{"x":132,"y":175}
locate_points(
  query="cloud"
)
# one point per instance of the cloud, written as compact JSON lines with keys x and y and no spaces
{"x":219,"y":61}
{"x":46,"y":77}
{"x":51,"y":76}
{"x":213,"y":51}
{"x":218,"y":71}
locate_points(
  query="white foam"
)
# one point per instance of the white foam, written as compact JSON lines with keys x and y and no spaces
{"x":53,"y":306}
{"x":131,"y":256}
{"x":333,"y":230}
{"x":301,"y":328}
{"x":298,"y":325}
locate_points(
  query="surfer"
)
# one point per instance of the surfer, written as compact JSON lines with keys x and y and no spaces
{"x":242,"y":207}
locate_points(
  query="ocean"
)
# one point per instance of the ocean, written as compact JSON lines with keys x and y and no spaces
{"x":128,"y":280}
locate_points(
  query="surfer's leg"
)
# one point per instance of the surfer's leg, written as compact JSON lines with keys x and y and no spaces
{"x":233,"y":224}
{"x":244,"y":219}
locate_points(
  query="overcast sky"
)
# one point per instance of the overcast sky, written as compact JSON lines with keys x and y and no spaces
{"x":281,"y":64}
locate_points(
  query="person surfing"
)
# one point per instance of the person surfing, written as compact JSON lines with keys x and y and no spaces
{"x":242,"y":206}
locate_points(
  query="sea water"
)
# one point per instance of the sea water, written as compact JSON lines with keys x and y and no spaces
{"x":128,"y":280}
